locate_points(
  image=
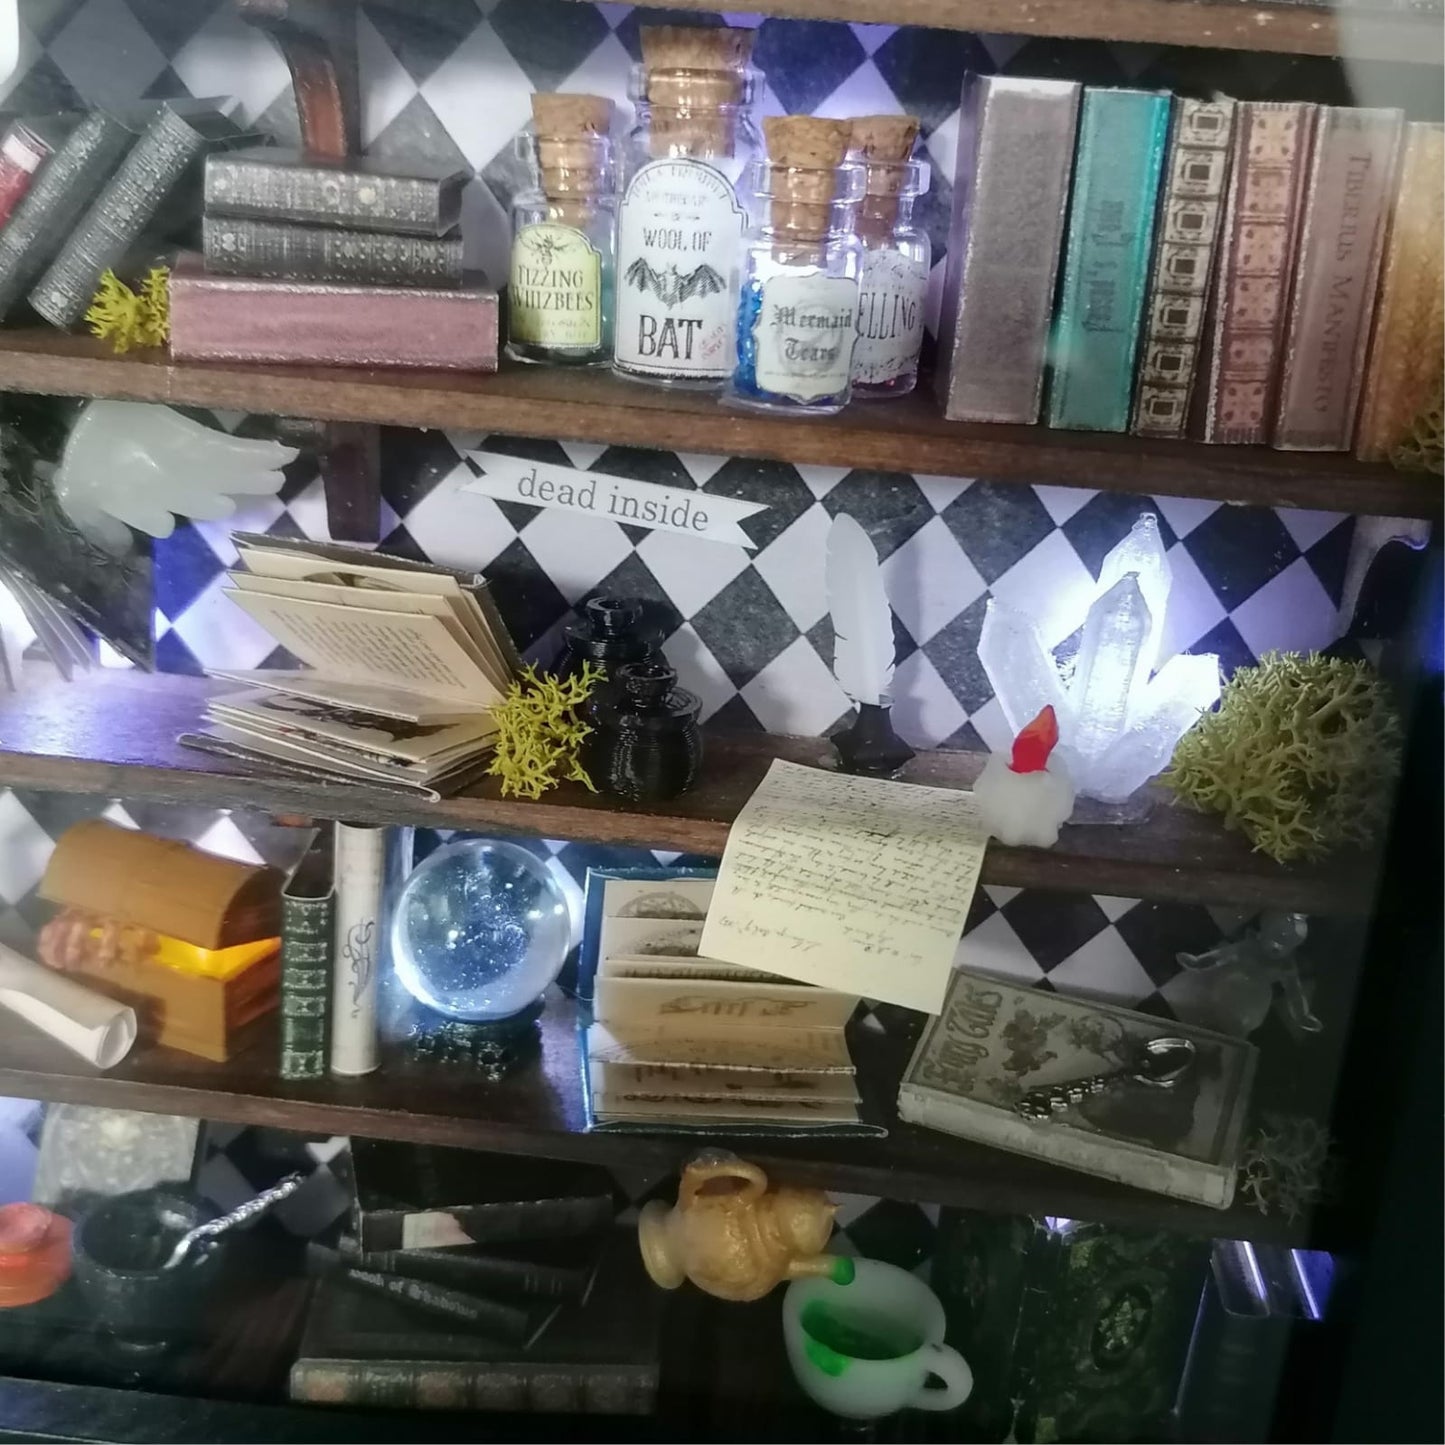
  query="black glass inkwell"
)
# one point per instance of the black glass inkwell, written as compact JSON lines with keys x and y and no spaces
{"x":645,"y":742}
{"x":609,"y":635}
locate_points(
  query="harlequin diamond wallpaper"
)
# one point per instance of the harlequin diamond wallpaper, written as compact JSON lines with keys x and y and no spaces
{"x":746,"y":629}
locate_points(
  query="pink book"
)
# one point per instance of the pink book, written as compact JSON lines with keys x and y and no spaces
{"x":1352,"y":181}
{"x":239,"y":318}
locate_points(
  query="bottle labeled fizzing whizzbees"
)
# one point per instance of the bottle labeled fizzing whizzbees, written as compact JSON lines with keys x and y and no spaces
{"x":680,"y":226}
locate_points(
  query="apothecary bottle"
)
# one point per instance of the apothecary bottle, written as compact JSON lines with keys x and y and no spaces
{"x":680,"y":224}
{"x":897,"y":255}
{"x":798,"y":307}
{"x":645,"y":743}
{"x":563,"y":271}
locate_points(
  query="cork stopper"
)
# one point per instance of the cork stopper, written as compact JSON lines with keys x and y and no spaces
{"x":572,"y":151}
{"x":884,"y":144}
{"x":805,"y":153}
{"x":692,"y":73}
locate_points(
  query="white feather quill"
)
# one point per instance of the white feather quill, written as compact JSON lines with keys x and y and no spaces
{"x":862,"y":619}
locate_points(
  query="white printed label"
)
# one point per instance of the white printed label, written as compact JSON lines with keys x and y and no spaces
{"x":679,"y":242}
{"x":890,"y":316}
{"x":805,"y":331}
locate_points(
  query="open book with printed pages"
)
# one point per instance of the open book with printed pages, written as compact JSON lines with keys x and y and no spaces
{"x":682,"y":1043}
{"x":996,"y":1041}
{"x":401,"y":664}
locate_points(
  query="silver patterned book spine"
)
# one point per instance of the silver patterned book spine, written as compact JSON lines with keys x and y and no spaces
{"x":267,"y":183}
{"x":64,"y":188}
{"x":156,"y":166}
{"x":236,"y":246}
{"x":1011,"y":190}
{"x":1195,"y":179}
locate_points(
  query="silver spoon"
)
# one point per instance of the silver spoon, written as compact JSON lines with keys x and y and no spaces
{"x":238,"y":1216}
{"x":1160,"y":1063}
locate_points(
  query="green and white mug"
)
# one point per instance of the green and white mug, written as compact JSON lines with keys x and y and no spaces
{"x":866,"y":1349}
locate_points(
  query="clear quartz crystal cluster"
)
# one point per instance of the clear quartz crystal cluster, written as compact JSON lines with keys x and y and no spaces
{"x":1117,"y":724}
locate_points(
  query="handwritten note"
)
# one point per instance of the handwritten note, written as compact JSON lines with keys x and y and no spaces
{"x":859,"y":884}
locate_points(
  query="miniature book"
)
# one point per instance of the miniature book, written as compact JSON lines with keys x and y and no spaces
{"x":684,"y":1041}
{"x":995,"y":1041}
{"x":403,"y":662}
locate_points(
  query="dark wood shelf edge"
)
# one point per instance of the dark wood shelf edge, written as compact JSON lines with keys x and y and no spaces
{"x":982,"y":1179}
{"x":906,"y":435}
{"x":50,"y":730}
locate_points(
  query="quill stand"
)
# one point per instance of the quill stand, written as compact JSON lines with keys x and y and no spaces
{"x":869,"y":745}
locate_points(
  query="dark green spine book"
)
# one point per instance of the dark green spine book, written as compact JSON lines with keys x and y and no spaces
{"x":308,"y":908}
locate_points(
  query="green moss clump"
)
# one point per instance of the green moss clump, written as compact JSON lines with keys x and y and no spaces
{"x":1301,"y":755}
{"x":1422,"y":448}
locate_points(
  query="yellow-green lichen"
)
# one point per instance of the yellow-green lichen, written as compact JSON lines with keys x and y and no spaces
{"x":538,"y":732}
{"x":130,"y":319}
{"x":1301,"y":755}
{"x":1422,"y":448}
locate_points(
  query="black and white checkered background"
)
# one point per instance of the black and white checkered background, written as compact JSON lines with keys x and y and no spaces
{"x":747,"y":631}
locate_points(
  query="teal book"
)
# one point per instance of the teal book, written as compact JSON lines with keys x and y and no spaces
{"x":1122,"y":135}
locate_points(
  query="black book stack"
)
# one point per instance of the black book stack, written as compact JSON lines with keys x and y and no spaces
{"x":278,"y":214}
{"x":481,"y":1282}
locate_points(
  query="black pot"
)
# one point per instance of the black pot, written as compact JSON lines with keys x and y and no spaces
{"x":118,"y":1250}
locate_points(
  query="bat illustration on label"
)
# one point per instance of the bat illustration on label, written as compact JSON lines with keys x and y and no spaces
{"x":358,"y":951}
{"x":671,"y":287}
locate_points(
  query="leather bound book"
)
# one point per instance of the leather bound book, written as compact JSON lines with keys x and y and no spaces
{"x":242,"y":318}
{"x":153,"y":185}
{"x":1015,"y":154}
{"x":1404,"y":372}
{"x":235,"y":246}
{"x":1196,"y":173}
{"x":411,"y":1196}
{"x":1352,"y":181}
{"x":1106,"y":257}
{"x":268,"y":183}
{"x":56,"y":199}
{"x":599,"y":1356}
{"x":1244,"y":335}
{"x":308,"y":913}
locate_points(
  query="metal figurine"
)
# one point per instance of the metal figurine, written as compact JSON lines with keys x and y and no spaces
{"x":1160,"y":1064}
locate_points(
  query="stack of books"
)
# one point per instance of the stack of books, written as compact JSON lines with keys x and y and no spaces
{"x":109,"y":193}
{"x":1202,"y":268}
{"x":402,"y":662}
{"x":479,"y":1282}
{"x":680,"y":1042}
{"x":342,"y":262}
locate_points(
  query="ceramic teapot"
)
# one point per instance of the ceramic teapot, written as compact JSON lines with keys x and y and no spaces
{"x":733,"y":1236}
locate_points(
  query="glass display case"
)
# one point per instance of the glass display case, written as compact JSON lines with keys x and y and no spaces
{"x":389,"y":1050}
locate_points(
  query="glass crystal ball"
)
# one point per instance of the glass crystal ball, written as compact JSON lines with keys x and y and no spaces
{"x":480,"y":930}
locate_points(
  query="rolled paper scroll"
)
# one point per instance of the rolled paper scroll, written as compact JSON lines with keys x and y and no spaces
{"x":97,"y":1028}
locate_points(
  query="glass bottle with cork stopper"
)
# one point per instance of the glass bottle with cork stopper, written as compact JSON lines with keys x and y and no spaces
{"x":896,"y":256}
{"x":680,"y":226}
{"x":798,"y":308}
{"x":560,"y":296}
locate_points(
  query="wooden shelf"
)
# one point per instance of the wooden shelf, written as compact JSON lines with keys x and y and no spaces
{"x":906,"y":435}
{"x":539,"y":1110}
{"x":113,"y":734}
{"x":1280,"y":28}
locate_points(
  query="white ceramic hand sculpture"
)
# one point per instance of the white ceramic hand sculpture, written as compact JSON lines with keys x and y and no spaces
{"x":134,"y":464}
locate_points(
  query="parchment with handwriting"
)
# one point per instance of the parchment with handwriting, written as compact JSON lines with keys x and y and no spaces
{"x":859,"y":884}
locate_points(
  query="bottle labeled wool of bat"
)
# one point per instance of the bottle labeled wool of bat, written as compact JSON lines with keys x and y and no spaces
{"x":560,"y":294}
{"x":680,"y":227}
{"x":797,"y":315}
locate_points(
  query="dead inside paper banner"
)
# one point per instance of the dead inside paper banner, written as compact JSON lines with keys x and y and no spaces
{"x":640,"y":504}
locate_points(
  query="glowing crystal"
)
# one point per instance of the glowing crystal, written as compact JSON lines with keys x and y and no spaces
{"x":1117,"y":725}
